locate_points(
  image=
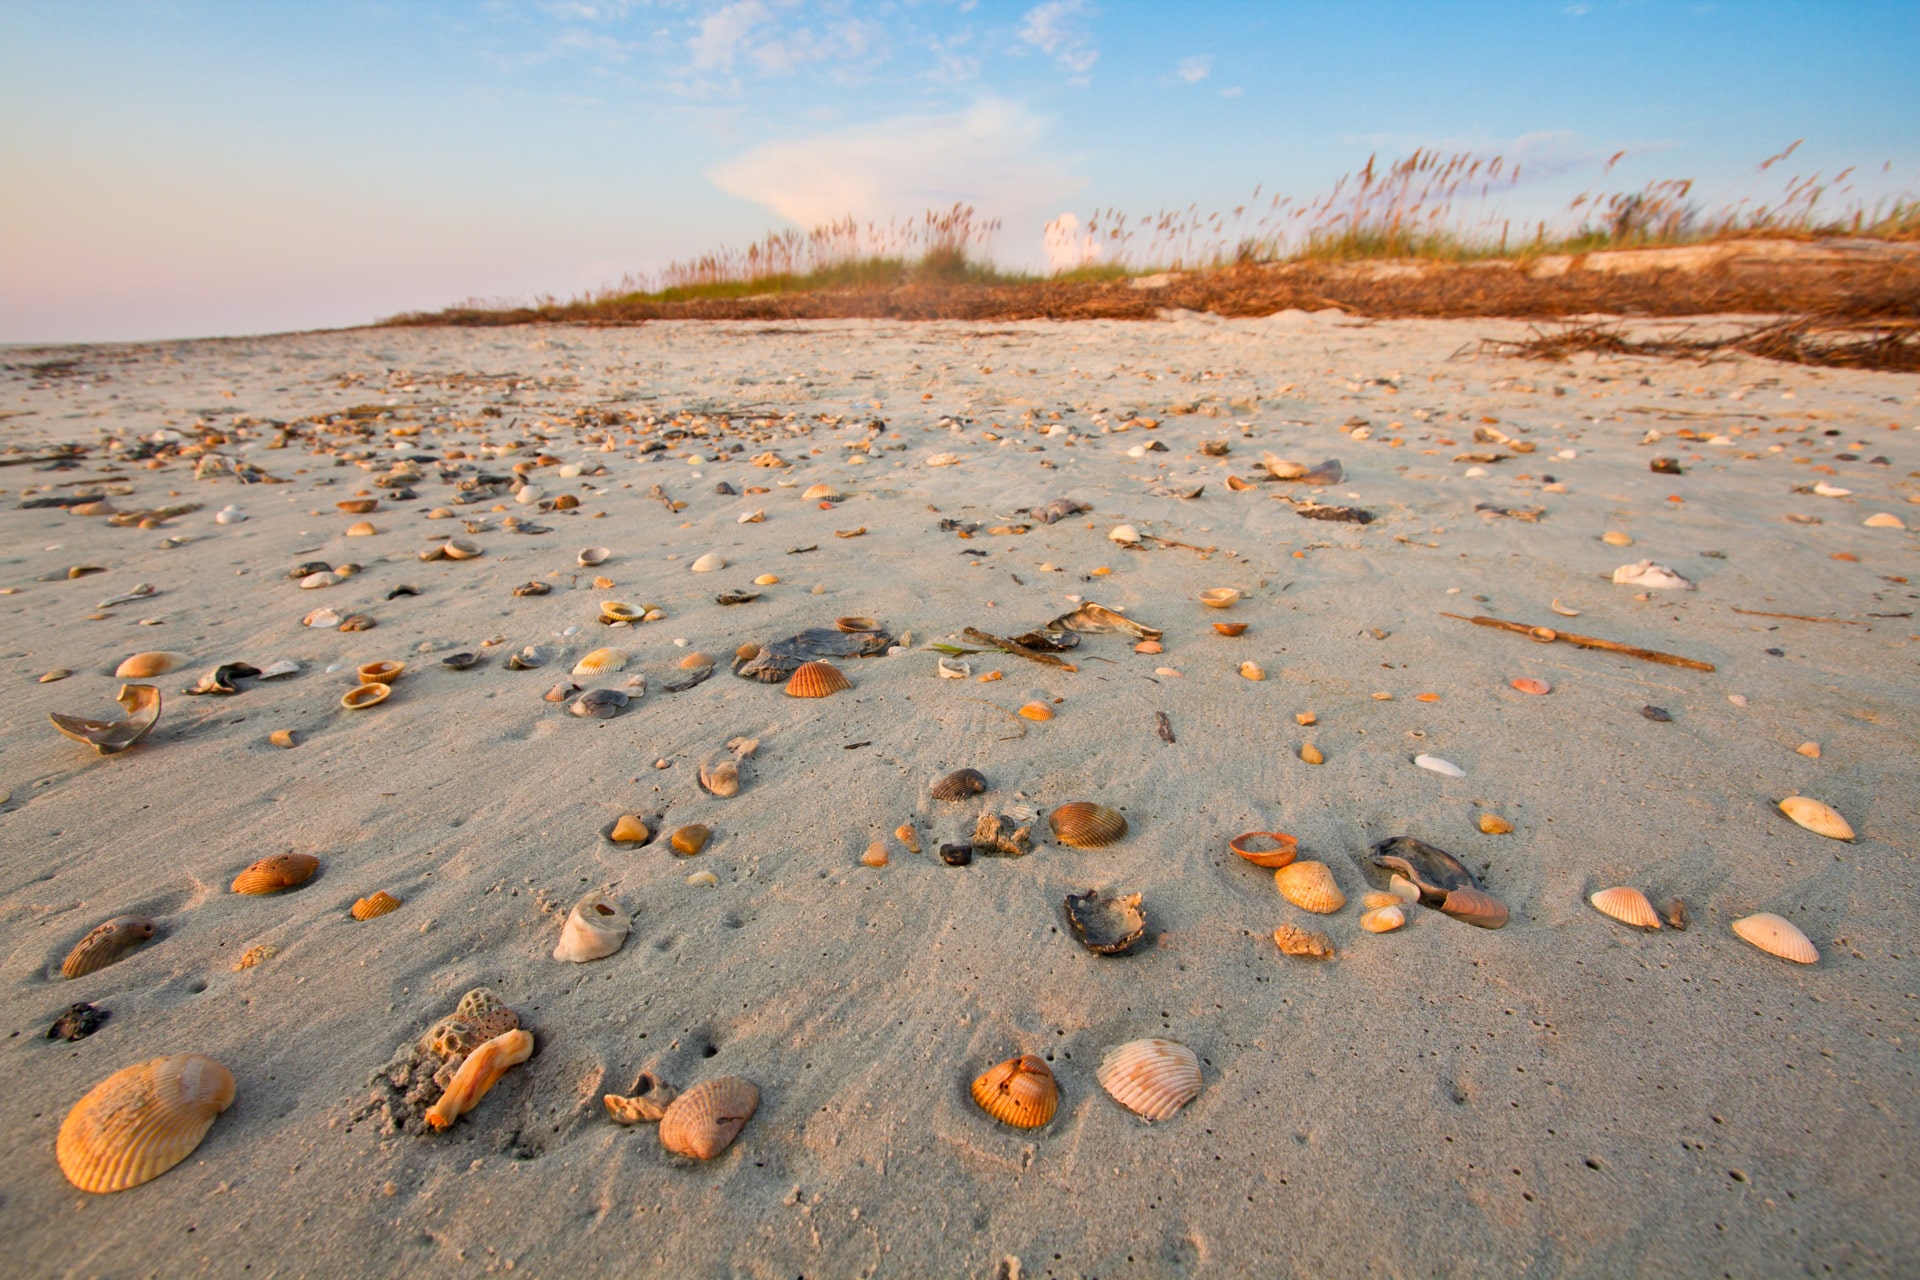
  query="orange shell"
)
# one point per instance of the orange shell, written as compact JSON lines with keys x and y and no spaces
{"x":105,"y":944}
{"x":1037,"y":711}
{"x":816,"y":680}
{"x":145,"y":666}
{"x":281,"y":871}
{"x":1494,"y":825}
{"x":1020,"y":1091}
{"x":1280,"y":857}
{"x":696,"y":660}
{"x":141,"y":1121}
{"x":1310,"y":886}
{"x":362,"y":696}
{"x":704,"y":1121}
{"x":381,"y":672}
{"x":1816,"y":817}
{"x":1776,"y":937}
{"x":1383,"y":919}
{"x":1085,"y":825}
{"x":378,"y":905}
{"x":1475,"y":907}
{"x":479,"y":1073}
{"x":1151,"y":1078}
{"x":1627,"y":905}
{"x":1527,"y":684}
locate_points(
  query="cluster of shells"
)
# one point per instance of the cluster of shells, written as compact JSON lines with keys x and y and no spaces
{"x":1151,"y":1078}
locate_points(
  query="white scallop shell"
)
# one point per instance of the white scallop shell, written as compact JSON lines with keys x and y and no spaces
{"x":709,"y":563}
{"x":1151,"y":1078}
{"x":1627,"y":905}
{"x":599,"y":662}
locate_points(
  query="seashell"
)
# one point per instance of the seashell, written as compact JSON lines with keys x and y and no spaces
{"x":381,"y":672}
{"x":1627,"y":905}
{"x":1037,"y":711}
{"x":1494,"y":825}
{"x":1816,"y":817}
{"x":459,"y":661}
{"x":321,"y":618}
{"x":361,"y":529}
{"x":1219,"y":597}
{"x":1615,"y":538}
{"x":600,"y":661}
{"x":281,"y":871}
{"x":78,"y":1022}
{"x":875,"y":855}
{"x":1675,"y":912}
{"x":820,"y":493}
{"x":1085,"y":825}
{"x":592,"y":556}
{"x":479,"y":1073}
{"x":259,"y":953}
{"x":363,"y":696}
{"x":958,"y":785}
{"x":1884,"y":520}
{"x":1383,"y":919}
{"x":1527,"y":684}
{"x":1020,"y":1091}
{"x":1253,"y":671}
{"x":1811,"y":750}
{"x":1562,"y":610}
{"x":315,"y":581}
{"x":603,"y":583}
{"x":721,"y":777}
{"x":1310,"y":886}
{"x":1109,"y":927}
{"x":1285,"y":848}
{"x":530,"y":657}
{"x":767,"y":580}
{"x":704,"y":879}
{"x":1124,"y":534}
{"x":689,"y":840}
{"x":602,"y":704}
{"x":703,"y":1122}
{"x":1654,"y":577}
{"x":905,"y":835}
{"x":709,"y":563}
{"x":377,"y":905}
{"x":1310,"y":754}
{"x":856,"y":624}
{"x":953,"y":668}
{"x":1151,"y":1078}
{"x":1403,"y":889}
{"x":637,"y":1110}
{"x":816,"y":680}
{"x":1374,"y":899}
{"x":629,"y":829}
{"x":1445,"y":768}
{"x":561,"y":692}
{"x":1776,"y":937}
{"x":284,"y":738}
{"x":141,"y":1121}
{"x":357,"y":622}
{"x":1301,"y":942}
{"x":694,"y":661}
{"x":1148,"y":646}
{"x":145,"y":666}
{"x":58,"y":673}
{"x":359,"y":506}
{"x":463,"y":549}
{"x":957,"y":854}
{"x":1476,"y":907}
{"x":532,"y":589}
{"x":110,"y":737}
{"x":596,"y":927}
{"x":105,"y":944}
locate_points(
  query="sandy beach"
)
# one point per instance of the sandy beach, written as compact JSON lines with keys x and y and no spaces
{"x":1565,"y":1095}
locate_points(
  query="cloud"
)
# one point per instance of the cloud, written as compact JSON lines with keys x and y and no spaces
{"x":1194,"y":70}
{"x":724,"y":32}
{"x":1058,"y":29}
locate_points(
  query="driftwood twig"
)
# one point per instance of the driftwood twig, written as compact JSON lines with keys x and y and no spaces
{"x":1797,"y":617}
{"x":1547,"y":635}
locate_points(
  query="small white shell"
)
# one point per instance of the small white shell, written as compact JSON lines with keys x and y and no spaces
{"x":954,"y":668}
{"x":1445,"y":768}
{"x":709,"y":563}
{"x":1151,"y":1078}
{"x":596,"y":927}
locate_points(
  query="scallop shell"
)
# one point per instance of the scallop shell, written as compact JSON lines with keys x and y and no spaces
{"x":1020,"y":1091}
{"x":1373,"y":900}
{"x":1310,"y":886}
{"x":362,"y":696}
{"x":110,"y":737}
{"x":601,"y":661}
{"x":1037,"y":711}
{"x":709,"y":563}
{"x":145,"y":666}
{"x":1476,"y":907}
{"x":704,"y":1121}
{"x":1219,"y":597}
{"x":721,"y":777}
{"x":816,"y":680}
{"x":106,"y":943}
{"x":596,"y":927}
{"x":856,"y":624}
{"x":463,"y":549}
{"x":380,"y":672}
{"x":1776,"y":937}
{"x":479,"y":1073}
{"x":141,"y":1121}
{"x":1383,"y":919}
{"x":1627,"y":905}
{"x":1151,"y":1078}
{"x":1816,"y":817}
{"x":629,"y":829}
{"x":820,"y":493}
{"x":958,"y":785}
{"x":592,"y":556}
{"x":378,"y":905}
{"x":1085,"y":825}
{"x":689,"y":840}
{"x":281,"y":871}
{"x":1286,"y":849}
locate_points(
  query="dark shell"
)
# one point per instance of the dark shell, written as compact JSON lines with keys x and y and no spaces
{"x":1106,"y":928}
{"x":1435,"y":871}
{"x":1659,"y":715}
{"x":776,"y":662}
{"x":532,"y":589}
{"x":221,"y":678}
{"x":1675,"y":912}
{"x":956,"y":855}
{"x":77,"y":1023}
{"x":603,"y":704}
{"x":310,"y":567}
{"x":358,"y":622}
{"x":1476,"y":907}
{"x":958,"y":785}
{"x":685,"y":680}
{"x":459,"y":661}
{"x":404,"y":589}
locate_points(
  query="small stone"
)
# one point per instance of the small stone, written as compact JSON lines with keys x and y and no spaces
{"x":629,"y":829}
{"x":1311,"y":754}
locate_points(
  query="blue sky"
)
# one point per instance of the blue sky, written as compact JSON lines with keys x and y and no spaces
{"x":185,"y":168}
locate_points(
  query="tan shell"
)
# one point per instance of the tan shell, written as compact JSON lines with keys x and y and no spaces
{"x":361,"y":529}
{"x":1383,"y":919}
{"x":695,"y":660}
{"x":620,"y":611}
{"x":281,"y":871}
{"x":141,"y":1121}
{"x":629,"y":829}
{"x":1219,"y":597}
{"x":363,"y":696}
{"x":721,"y":777}
{"x":1085,"y":825}
{"x":875,"y":855}
{"x":592,"y":556}
{"x":105,"y":944}
{"x":1627,"y":905}
{"x":145,"y":666}
{"x":1253,"y":671}
{"x":110,"y":737}
{"x":689,"y":840}
{"x":704,"y":1121}
{"x":904,"y":833}
{"x":855,"y":623}
{"x":1310,"y":886}
{"x":958,"y":785}
{"x":1373,"y":899}
{"x":1286,"y":849}
{"x":378,"y":905}
{"x":1301,"y":942}
{"x":1811,"y":750}
{"x":1311,"y":754}
{"x":359,"y":506}
{"x":380,"y":672}
{"x":479,"y":1073}
{"x":1776,"y":937}
{"x":1816,"y":817}
{"x":816,"y":680}
{"x":1495,"y":825}
{"x":595,"y":928}
{"x":1475,"y":907}
{"x":601,"y":661}
{"x":766,"y":580}
{"x":1020,"y":1091}
{"x":463,"y":549}
{"x":1151,"y":1078}
{"x":259,"y":953}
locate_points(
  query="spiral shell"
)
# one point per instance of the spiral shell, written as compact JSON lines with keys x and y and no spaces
{"x":362,"y":696}
{"x":1151,"y":1078}
{"x":1383,"y":919}
{"x":816,"y":680}
{"x":1776,"y":937}
{"x":958,"y":785}
{"x":1816,"y":817}
{"x":1286,"y":849}
{"x":595,"y":928}
{"x":1310,"y":886}
{"x":1085,"y":825}
{"x":281,"y":871}
{"x":600,"y":662}
{"x":105,"y":944}
{"x":380,"y":672}
{"x":145,"y":666}
{"x":1020,"y":1091}
{"x":480,"y":1072}
{"x":704,"y":1121}
{"x":1627,"y":905}
{"x":378,"y":905}
{"x":141,"y":1121}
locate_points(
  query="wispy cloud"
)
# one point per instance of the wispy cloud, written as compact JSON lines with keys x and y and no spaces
{"x":1059,"y":29}
{"x":724,"y":33}
{"x":1194,"y":70}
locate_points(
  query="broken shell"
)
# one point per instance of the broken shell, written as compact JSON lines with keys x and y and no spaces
{"x":1020,"y":1091}
{"x":362,"y":696}
{"x":1562,"y":610}
{"x":281,"y":871}
{"x":689,"y":840}
{"x":1383,"y":919}
{"x":463,"y":549}
{"x":1373,"y":899}
{"x":875,"y":855}
{"x":953,"y":668}
{"x":1476,"y":907}
{"x":1494,"y":825}
{"x":1148,"y":646}
{"x":1816,"y":817}
{"x":284,"y":738}
{"x":1445,"y":768}
{"x":1627,"y":905}
{"x":958,"y":785}
{"x":145,"y":666}
{"x":1219,"y":597}
{"x":562,"y":691}
{"x":1303,"y":943}
{"x":905,"y":835}
{"x":596,"y":927}
{"x":1311,"y":754}
{"x":1675,"y":912}
{"x":479,"y":1073}
{"x":1085,"y":825}
{"x":637,"y":1110}
{"x":377,"y":905}
{"x":459,"y":661}
{"x":1811,"y":750}
{"x":1230,"y":628}
{"x":381,"y":672}
{"x":1285,"y":848}
{"x":110,"y":737}
{"x":141,"y":1121}
{"x":1776,"y":937}
{"x":532,"y":589}
{"x":721,"y":777}
{"x":620,"y":611}
{"x":629,"y":829}
{"x":709,"y":563}
{"x":704,"y":879}
{"x":105,"y":944}
{"x":816,"y":680}
{"x":1253,"y":671}
{"x":527,"y":659}
{"x":357,"y":622}
{"x":321,"y":618}
{"x":1527,"y":684}
{"x":592,"y":556}
{"x":600,"y":661}
{"x":1310,"y":886}
{"x":1037,"y":711}
{"x":1151,"y":1078}
{"x":602,"y":704}
{"x":704,"y":1121}
{"x":1109,"y":927}
{"x":856,"y":624}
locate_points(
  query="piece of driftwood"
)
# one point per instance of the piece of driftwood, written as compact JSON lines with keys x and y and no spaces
{"x":1547,"y":635}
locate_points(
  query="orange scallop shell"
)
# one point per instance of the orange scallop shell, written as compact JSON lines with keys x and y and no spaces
{"x":378,"y":905}
{"x":1085,"y":825}
{"x":1627,"y":905}
{"x":281,"y":871}
{"x":816,"y":680}
{"x":1289,"y":848}
{"x":141,"y":1121}
{"x":1020,"y":1091}
{"x":704,"y":1121}
{"x":1037,"y":711}
{"x":1777,"y":937}
{"x":1310,"y":886}
{"x":105,"y":944}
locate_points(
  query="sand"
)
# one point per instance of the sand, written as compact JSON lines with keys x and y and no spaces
{"x":1561,"y":1096}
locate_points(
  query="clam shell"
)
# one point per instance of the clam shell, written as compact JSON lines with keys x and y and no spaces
{"x":958,"y":785}
{"x":463,"y":549}
{"x":1816,"y":817}
{"x":141,"y":1121}
{"x":365,"y":695}
{"x":532,"y":656}
{"x":378,"y":905}
{"x":1627,"y":905}
{"x":380,"y":672}
{"x":321,"y":618}
{"x":603,"y":704}
{"x":592,"y":556}
{"x":596,"y":927}
{"x":479,"y":1073}
{"x":1230,"y":628}
{"x":690,"y":839}
{"x":1109,"y":927}
{"x":709,"y":563}
{"x":105,"y":944}
{"x":1383,"y":919}
{"x":816,"y":680}
{"x":1085,"y":825}
{"x":1373,"y":900}
{"x":721,"y":777}
{"x":629,"y":829}
{"x":1151,"y":1078}
{"x":281,"y":871}
{"x":856,"y":623}
{"x":1527,"y":684}
{"x":110,"y":737}
{"x":361,"y":529}
{"x":601,"y":661}
{"x":1776,"y":937}
{"x":1494,"y":825}
{"x":1476,"y":907}
{"x":692,"y":662}
{"x":1286,"y":848}
{"x":1219,"y":597}
{"x":1020,"y":1091}
{"x":145,"y":666}
{"x":703,"y":1122}
{"x":875,"y":855}
{"x":1037,"y":711}
{"x":1310,"y":886}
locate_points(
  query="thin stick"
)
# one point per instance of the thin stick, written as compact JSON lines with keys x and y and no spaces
{"x":1584,"y":642}
{"x":1185,"y":546}
{"x":1797,"y":617}
{"x":1012,"y":646}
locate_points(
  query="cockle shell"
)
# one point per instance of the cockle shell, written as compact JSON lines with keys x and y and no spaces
{"x":1285,"y":848}
{"x":595,"y":928}
{"x":820,"y":493}
{"x":816,"y":680}
{"x":1383,"y":919}
{"x":958,"y":785}
{"x":106,"y":943}
{"x":363,"y":696}
{"x":1037,"y":711}
{"x":1310,"y":886}
{"x":600,"y":662}
{"x":145,"y":666}
{"x":1816,"y":817}
{"x":1085,"y":825}
{"x":110,"y":737}
{"x":1777,"y":937}
{"x":281,"y":871}
{"x":690,"y":839}
{"x":1020,"y":1091}
{"x":703,"y":1122}
{"x":377,"y":905}
{"x":856,"y":624}
{"x":721,"y":777}
{"x":380,"y":672}
{"x":694,"y":661}
{"x":1151,"y":1078}
{"x":1373,"y":899}
{"x":141,"y":1121}
{"x":1627,"y":905}
{"x":479,"y":1073}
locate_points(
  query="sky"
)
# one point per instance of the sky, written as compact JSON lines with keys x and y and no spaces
{"x":180,"y":168}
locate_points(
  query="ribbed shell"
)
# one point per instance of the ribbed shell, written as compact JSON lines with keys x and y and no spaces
{"x":958,"y":785}
{"x":1037,"y":711}
{"x":1151,"y":1078}
{"x":141,"y":1121}
{"x":378,"y":905}
{"x":1776,"y":937}
{"x":704,"y":1121}
{"x":1020,"y":1091}
{"x":620,"y":611}
{"x":689,"y":840}
{"x":145,"y":666}
{"x":1816,"y":817}
{"x":1475,"y":907}
{"x":1085,"y":825}
{"x":1383,"y":919}
{"x":596,"y":927}
{"x":362,"y":696}
{"x":856,"y":623}
{"x":1310,"y":886}
{"x":1373,"y":900}
{"x":601,"y":661}
{"x":1288,"y":848}
{"x":281,"y":871}
{"x":106,"y":944}
{"x":1627,"y":905}
{"x":381,"y":672}
{"x":816,"y":680}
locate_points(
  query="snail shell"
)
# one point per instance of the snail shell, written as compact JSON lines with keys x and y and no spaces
{"x":141,"y":1121}
{"x":1020,"y":1091}
{"x":106,"y":943}
{"x":1151,"y":1078}
{"x":704,"y":1121}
